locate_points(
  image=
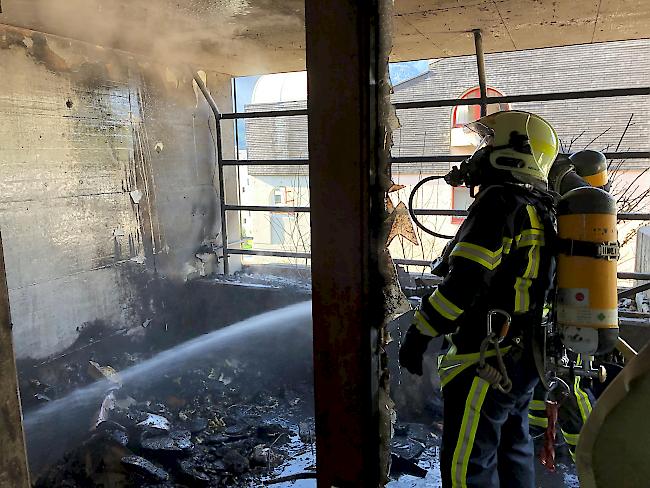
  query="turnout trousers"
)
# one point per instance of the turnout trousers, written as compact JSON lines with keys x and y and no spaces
{"x":486,"y":441}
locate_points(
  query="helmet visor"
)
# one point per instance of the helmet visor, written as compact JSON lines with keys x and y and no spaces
{"x":484,"y":134}
{"x":479,"y":128}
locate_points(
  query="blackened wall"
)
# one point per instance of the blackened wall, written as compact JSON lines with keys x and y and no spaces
{"x":106,"y":183}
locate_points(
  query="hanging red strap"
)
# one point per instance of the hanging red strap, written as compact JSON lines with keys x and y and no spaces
{"x":547,"y":452}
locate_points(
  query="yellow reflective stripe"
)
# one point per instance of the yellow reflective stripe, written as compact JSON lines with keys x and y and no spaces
{"x":522,"y":297}
{"x":537,"y":405}
{"x":507,"y":245}
{"x":448,"y":373}
{"x":535,"y":223}
{"x":584,"y":405}
{"x":530,"y":237}
{"x":572,"y":442}
{"x":451,"y":365}
{"x":478,"y":254}
{"x":423,"y":326}
{"x":467,"y":433}
{"x":443,"y":306}
{"x":537,"y":421}
{"x":534,"y":257}
{"x":571,"y":438}
{"x":523,"y":283}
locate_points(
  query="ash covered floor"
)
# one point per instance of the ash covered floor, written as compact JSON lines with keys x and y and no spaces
{"x":235,"y":416}
{"x":196,"y":428}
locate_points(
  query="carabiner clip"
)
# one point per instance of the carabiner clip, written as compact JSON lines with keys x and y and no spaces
{"x":498,"y":338}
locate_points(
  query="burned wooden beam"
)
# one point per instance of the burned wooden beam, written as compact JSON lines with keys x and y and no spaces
{"x":344,"y":75}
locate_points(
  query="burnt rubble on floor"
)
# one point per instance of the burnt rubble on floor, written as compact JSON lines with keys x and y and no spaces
{"x":213,"y":426}
{"x":409,"y":443}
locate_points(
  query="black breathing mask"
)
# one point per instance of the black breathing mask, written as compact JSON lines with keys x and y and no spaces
{"x":471,"y":172}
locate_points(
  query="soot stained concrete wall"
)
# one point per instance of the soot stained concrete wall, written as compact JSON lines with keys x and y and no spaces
{"x":106,"y":183}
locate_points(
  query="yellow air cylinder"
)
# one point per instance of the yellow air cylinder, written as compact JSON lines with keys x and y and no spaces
{"x":592,"y":167}
{"x":587,"y":305}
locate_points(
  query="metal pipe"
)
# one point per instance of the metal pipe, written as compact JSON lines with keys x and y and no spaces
{"x":536,"y":97}
{"x":269,"y":208}
{"x":234,"y":102}
{"x":463,"y":213}
{"x":207,"y":95}
{"x":264,"y":114}
{"x":448,"y":158}
{"x":406,"y":159}
{"x":412,"y":262}
{"x":631,"y":292}
{"x":638,"y":316}
{"x":424,"y":262}
{"x":418,"y":211}
{"x":278,"y":254}
{"x":480,"y":64}
{"x":453,"y":102}
{"x":440,"y":212}
{"x":634,"y":276}
{"x":265,"y":162}
{"x":633,"y":216}
{"x":222,"y":191}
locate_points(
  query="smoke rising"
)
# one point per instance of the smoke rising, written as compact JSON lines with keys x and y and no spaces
{"x":230,"y":36}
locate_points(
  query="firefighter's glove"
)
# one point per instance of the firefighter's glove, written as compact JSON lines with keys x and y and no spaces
{"x":413,"y":349}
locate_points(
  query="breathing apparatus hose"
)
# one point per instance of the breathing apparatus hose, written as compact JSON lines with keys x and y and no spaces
{"x":412,"y":212}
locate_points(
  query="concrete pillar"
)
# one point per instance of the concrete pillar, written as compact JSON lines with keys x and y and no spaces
{"x":13,"y":457}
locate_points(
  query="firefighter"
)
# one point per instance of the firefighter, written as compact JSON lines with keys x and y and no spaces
{"x":499,"y":260}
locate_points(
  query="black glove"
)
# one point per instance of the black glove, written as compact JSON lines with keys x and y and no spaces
{"x":413,"y":348}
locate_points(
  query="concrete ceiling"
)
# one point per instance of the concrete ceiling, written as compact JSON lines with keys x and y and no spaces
{"x":440,"y":28}
{"x":260,"y":36}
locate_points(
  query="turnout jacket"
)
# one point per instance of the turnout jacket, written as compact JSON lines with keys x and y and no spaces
{"x":501,"y":258}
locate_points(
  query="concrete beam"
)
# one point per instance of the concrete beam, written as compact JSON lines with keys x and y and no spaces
{"x":13,"y":457}
{"x":346,"y":210}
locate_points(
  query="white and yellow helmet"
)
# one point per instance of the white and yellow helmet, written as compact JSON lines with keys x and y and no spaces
{"x":522,"y":143}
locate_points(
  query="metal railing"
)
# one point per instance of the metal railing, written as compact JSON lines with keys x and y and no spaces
{"x":483,"y":100}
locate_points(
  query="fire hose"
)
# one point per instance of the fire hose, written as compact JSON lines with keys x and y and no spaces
{"x":412,"y":212}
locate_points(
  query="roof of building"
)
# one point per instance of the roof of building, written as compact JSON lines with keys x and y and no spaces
{"x":597,"y":123}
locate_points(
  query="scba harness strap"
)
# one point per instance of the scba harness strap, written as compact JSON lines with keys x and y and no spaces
{"x":610,"y":251}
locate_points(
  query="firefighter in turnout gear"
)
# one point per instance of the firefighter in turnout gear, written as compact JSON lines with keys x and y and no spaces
{"x":499,"y":265}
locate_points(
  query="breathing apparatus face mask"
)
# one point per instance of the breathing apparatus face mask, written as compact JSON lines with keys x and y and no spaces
{"x":471,"y":172}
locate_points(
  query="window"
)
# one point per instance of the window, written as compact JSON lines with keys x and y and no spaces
{"x":460,"y":200}
{"x":461,"y":141}
{"x":278,"y":196}
{"x":278,"y":222}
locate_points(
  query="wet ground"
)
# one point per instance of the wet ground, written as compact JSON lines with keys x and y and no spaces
{"x":241,"y":417}
{"x":197,"y":428}
{"x":421,"y":445}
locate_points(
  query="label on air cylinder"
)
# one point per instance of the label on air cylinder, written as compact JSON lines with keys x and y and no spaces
{"x":573,"y":297}
{"x":573,"y":309}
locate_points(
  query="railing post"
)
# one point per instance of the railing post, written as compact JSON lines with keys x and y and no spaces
{"x":480,"y":63}
{"x":219,"y":162}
